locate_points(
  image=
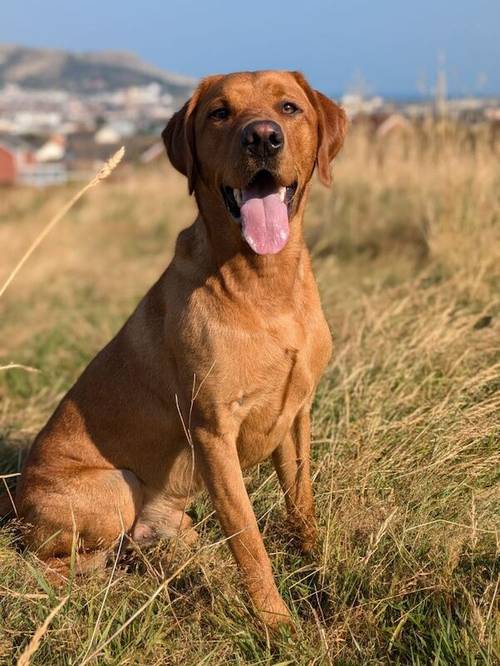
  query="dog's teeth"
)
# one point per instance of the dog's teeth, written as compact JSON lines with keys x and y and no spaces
{"x":282,"y":192}
{"x":237,"y":196}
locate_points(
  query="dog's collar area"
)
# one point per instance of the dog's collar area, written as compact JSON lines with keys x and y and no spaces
{"x":262,"y":184}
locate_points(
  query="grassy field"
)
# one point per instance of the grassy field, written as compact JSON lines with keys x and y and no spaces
{"x":406,"y":421}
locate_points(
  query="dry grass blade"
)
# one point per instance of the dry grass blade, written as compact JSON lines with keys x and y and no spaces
{"x":103,"y":173}
{"x":153,"y":596}
{"x":18,"y":366}
{"x":106,"y":592}
{"x":108,"y":167}
{"x":21,"y":595}
{"x":9,"y":495}
{"x":34,"y":643}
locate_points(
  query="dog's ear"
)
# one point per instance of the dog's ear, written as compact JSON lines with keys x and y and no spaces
{"x":332,"y":128}
{"x":178,"y":137}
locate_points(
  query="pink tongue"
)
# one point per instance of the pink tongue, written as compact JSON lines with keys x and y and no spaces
{"x":265,"y":223}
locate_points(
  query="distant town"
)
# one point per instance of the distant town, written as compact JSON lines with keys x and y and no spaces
{"x":52,"y":135}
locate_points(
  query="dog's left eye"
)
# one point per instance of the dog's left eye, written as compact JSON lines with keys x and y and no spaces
{"x":219,"y":114}
{"x":289,"y":108}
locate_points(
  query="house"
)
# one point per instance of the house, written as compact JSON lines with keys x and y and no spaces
{"x":107,"y":135}
{"x":19,"y":165}
{"x":15,"y":155}
{"x":53,"y":150}
{"x":84,"y":155}
{"x":8,"y":169}
{"x":394,"y":124}
{"x":42,"y":174}
{"x":115,"y":131}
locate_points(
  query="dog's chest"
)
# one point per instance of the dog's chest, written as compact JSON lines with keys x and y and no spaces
{"x":283,"y":382}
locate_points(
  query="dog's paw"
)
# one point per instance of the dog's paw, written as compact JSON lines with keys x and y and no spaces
{"x":307,"y":542}
{"x":303,"y":534}
{"x":275,"y":614}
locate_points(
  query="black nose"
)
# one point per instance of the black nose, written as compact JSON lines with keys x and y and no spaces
{"x":262,"y":137}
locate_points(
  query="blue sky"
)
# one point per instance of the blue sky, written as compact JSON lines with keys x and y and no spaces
{"x":390,"y":45}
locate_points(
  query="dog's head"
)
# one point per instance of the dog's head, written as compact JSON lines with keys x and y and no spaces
{"x":253,"y":140}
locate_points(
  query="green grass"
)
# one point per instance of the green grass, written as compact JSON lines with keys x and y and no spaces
{"x":406,"y":427}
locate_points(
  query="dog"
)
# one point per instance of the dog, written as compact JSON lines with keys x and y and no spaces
{"x":216,"y":369}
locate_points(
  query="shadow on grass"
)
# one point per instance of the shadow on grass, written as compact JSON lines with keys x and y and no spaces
{"x":12,"y":453}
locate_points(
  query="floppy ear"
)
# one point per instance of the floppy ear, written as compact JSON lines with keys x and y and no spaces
{"x":332,"y":128}
{"x":178,"y":137}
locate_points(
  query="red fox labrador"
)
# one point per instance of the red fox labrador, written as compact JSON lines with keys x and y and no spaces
{"x":229,"y":343}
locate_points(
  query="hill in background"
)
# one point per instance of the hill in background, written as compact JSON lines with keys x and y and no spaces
{"x":84,"y":73}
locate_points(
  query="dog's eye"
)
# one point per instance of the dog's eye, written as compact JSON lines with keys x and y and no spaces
{"x":219,"y":114}
{"x":289,"y":108}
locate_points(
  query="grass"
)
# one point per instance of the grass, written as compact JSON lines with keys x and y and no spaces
{"x":406,"y":454}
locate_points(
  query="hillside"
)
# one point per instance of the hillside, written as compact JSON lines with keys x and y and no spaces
{"x":83,"y":73}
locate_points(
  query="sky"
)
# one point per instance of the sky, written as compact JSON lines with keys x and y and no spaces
{"x":389,"y":47}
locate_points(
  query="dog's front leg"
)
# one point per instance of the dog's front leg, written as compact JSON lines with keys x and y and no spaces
{"x":220,"y":467}
{"x":291,"y":460}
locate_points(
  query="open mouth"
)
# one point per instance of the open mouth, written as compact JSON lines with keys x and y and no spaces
{"x":263,"y":208}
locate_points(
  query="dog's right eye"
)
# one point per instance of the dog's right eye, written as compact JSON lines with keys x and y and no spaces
{"x":219,"y":114}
